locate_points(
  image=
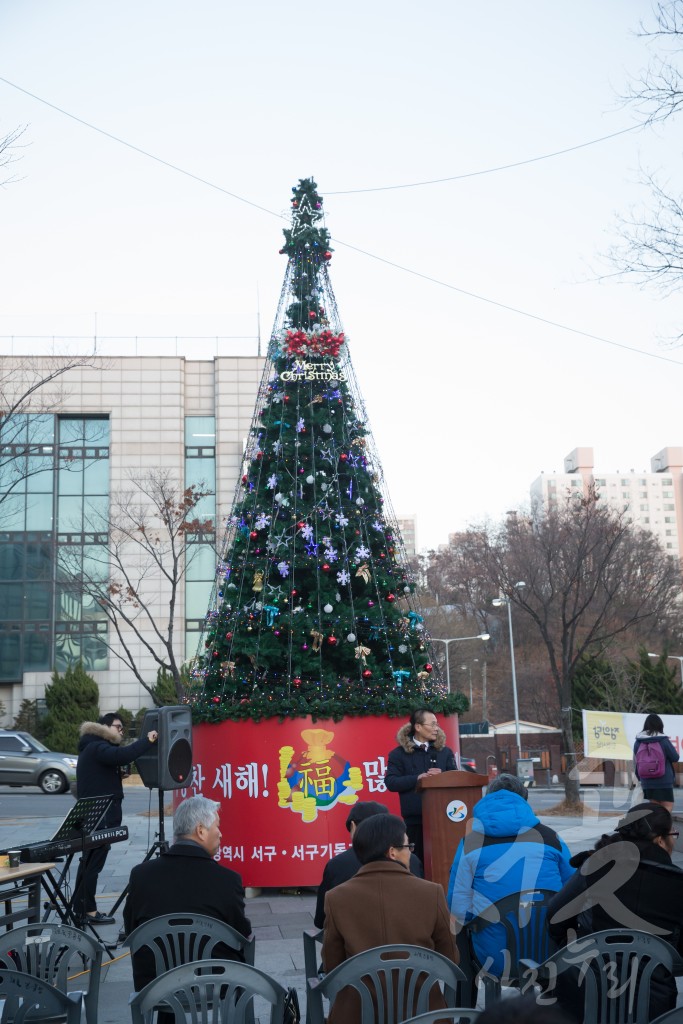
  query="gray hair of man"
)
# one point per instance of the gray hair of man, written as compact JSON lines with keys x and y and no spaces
{"x":509,"y":782}
{"x":196,"y":810}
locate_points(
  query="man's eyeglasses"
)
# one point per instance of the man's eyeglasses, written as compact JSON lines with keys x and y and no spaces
{"x":117,"y":725}
{"x":405,"y":846}
{"x":674,"y":834}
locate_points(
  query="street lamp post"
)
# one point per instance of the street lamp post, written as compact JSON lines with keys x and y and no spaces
{"x":498,"y":602}
{"x":674,"y":657}
{"x":453,"y":640}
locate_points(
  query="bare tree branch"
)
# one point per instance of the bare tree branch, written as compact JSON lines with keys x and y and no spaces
{"x":8,"y":146}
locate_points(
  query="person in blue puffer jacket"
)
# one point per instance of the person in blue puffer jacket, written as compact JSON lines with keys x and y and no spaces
{"x":507,"y":850}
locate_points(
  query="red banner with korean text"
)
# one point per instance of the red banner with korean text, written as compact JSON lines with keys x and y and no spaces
{"x":286,"y":788}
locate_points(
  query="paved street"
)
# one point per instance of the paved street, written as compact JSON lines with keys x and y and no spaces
{"x":277,"y":919}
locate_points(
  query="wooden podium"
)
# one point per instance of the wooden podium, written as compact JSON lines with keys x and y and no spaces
{"x":447,"y":802}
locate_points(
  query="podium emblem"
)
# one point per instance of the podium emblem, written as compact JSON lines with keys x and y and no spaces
{"x":456,"y":810}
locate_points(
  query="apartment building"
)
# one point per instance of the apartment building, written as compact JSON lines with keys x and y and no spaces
{"x":654,"y":500}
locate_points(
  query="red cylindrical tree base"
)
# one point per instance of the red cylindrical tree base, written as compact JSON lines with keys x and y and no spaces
{"x":286,"y":788}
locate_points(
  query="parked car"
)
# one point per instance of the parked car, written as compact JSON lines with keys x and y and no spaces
{"x":468,"y":764}
{"x":25,"y":761}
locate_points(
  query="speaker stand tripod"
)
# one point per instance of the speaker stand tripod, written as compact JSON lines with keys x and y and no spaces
{"x":159,"y":846}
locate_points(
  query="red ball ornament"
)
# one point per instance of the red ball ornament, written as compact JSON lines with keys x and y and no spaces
{"x":332,"y":640}
{"x":325,"y":567}
{"x":367,"y":674}
{"x":312,"y":315}
{"x":253,"y":534}
{"x":428,"y":667}
{"x":286,"y":398}
{"x":327,"y":255}
{"x":297,"y":682}
{"x":245,"y":479}
{"x":371,"y":604}
{"x":391,"y":597}
{"x":244,"y":700}
{"x":294,"y":593}
{"x":300,"y":525}
{"x":228,"y":636}
{"x":216,"y":700}
{"x":343,"y":456}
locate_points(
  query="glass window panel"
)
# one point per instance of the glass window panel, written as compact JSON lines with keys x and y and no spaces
{"x":200,"y":431}
{"x":11,"y":603}
{"x":205,"y":509}
{"x":67,"y":650}
{"x":191,"y":643}
{"x":41,"y":429}
{"x":39,"y":512}
{"x":97,"y":432}
{"x":92,"y":611}
{"x":15,"y":429}
{"x":70,"y":514}
{"x":13,"y":471}
{"x":197,"y":596}
{"x":201,"y":562}
{"x":38,"y":561}
{"x":96,"y":512}
{"x":96,"y":477}
{"x":95,"y":562}
{"x":94,"y":652}
{"x":37,"y":602}
{"x":69,"y":561}
{"x":11,"y":559}
{"x":10,"y":657}
{"x":71,"y":431}
{"x":70,"y":476}
{"x":201,"y":473}
{"x":37,"y":653}
{"x":40,"y":476}
{"x":68,"y":605}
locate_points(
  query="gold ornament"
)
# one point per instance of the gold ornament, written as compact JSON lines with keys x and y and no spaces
{"x":364,"y":572}
{"x":362,"y":653}
{"x":423,"y":676}
{"x":317,"y":640}
{"x":257,"y":585}
{"x":229,"y":667}
{"x":360,"y":441}
{"x":403,"y":624}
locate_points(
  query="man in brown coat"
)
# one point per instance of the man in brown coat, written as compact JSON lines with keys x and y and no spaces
{"x":383,"y":904}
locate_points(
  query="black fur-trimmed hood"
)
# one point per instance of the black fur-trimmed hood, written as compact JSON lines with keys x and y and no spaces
{"x":405,"y":740}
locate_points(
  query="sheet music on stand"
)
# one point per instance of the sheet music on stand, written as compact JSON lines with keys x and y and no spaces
{"x":84,"y":817}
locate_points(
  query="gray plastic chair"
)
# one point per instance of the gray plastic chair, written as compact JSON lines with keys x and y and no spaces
{"x":523,"y":915}
{"x":176,"y":939}
{"x":458,"y":1015}
{"x":209,"y":992}
{"x":26,"y":998}
{"x":390,"y":981}
{"x":53,"y":952}
{"x":674,"y":1016}
{"x":313,"y":937}
{"x":613,"y":969}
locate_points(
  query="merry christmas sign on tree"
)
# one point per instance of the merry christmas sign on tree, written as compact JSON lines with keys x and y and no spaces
{"x":314,"y":614}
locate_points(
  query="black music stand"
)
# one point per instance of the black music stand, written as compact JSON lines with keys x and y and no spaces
{"x":81,"y":821}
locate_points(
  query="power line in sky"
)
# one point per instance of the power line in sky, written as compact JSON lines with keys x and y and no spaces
{"x":364,"y":252}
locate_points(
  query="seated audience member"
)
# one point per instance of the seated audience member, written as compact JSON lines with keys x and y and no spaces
{"x":382,"y":904}
{"x":627,"y":881}
{"x":507,"y":850}
{"x":345,"y":865}
{"x":186,"y":879}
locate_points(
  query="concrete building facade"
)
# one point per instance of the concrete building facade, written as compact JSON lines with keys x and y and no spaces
{"x":106,"y":427}
{"x":654,"y":500}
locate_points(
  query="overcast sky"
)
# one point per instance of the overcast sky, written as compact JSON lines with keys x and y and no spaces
{"x":468,"y":401}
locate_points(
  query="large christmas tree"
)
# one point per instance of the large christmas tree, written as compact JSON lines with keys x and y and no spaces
{"x":314,"y":610}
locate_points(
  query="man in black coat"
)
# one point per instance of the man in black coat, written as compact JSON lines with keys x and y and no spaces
{"x":421,"y":752}
{"x":186,"y":880}
{"x":99,"y":772}
{"x":345,"y":865}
